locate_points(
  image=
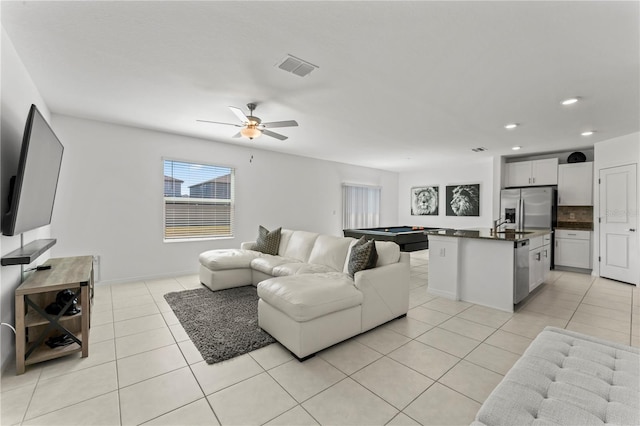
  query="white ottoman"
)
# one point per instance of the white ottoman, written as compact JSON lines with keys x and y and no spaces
{"x":227,"y":268}
{"x":309,"y":312}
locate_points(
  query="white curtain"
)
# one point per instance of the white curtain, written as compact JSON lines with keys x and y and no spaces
{"x":360,"y":206}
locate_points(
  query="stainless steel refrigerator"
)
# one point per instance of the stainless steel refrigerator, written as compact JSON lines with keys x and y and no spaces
{"x":529,"y":208}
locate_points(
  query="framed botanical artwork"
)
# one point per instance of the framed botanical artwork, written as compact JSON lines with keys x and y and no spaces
{"x":463,"y":200}
{"x":424,"y":200}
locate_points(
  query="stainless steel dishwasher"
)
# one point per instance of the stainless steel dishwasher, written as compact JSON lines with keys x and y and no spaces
{"x":520,"y":271}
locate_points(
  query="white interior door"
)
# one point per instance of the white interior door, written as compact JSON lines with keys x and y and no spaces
{"x":618,"y":224}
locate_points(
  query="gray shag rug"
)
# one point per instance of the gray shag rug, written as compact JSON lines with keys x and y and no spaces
{"x":222,"y":324}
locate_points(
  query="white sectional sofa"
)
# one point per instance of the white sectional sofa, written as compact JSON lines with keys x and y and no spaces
{"x":308,"y":300}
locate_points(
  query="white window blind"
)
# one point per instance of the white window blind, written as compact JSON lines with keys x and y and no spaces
{"x":198,"y":200}
{"x":360,"y":206}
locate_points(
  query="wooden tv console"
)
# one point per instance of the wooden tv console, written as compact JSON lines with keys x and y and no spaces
{"x":34,"y":326}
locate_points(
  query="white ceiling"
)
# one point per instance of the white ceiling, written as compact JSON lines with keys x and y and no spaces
{"x":401,"y":85}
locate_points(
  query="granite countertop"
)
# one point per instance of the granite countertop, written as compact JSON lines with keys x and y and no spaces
{"x":487,"y":234}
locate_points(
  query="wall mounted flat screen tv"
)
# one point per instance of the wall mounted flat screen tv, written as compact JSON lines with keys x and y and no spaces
{"x":33,"y":190}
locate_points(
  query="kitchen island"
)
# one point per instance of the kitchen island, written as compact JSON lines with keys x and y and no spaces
{"x":487,"y":268}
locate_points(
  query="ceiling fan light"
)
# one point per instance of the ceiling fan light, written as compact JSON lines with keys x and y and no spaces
{"x":250,"y":132}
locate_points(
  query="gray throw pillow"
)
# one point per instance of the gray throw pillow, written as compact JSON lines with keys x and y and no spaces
{"x":268,"y":242}
{"x":363,"y":256}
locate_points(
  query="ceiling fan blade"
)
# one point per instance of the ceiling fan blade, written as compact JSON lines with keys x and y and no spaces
{"x":237,"y":135}
{"x":274,"y":135}
{"x":217,"y":122}
{"x":271,"y":125}
{"x":238,"y":112}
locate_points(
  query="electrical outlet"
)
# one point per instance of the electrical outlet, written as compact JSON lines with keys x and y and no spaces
{"x":96,"y":259}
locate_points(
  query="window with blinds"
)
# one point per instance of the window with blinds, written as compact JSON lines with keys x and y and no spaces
{"x":198,"y":200}
{"x":360,"y":206}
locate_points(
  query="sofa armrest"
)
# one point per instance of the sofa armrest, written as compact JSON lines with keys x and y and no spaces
{"x":386,"y":293}
{"x":394,"y":275}
{"x":248,"y":245}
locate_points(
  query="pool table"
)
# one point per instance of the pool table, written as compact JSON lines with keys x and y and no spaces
{"x":409,"y":238}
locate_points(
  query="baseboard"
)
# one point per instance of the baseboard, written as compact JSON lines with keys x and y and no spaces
{"x":572,"y":269}
{"x":148,"y":277}
{"x":440,"y":293}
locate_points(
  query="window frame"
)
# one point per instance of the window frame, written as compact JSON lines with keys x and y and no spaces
{"x":232,"y":203}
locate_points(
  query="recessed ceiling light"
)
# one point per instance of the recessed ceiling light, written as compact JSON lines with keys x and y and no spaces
{"x":511,"y":126}
{"x":515,"y":148}
{"x":570,"y":101}
{"x":588,"y":133}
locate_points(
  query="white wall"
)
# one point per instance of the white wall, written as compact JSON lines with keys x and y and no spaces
{"x":18,"y":92}
{"x":481,"y":172}
{"x":110,"y":196}
{"x":619,"y":151}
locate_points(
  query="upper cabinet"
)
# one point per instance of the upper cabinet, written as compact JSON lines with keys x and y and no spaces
{"x":532,"y":173}
{"x":575,"y":184}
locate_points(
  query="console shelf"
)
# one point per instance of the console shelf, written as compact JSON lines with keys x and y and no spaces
{"x":28,"y":253}
{"x":45,"y":353}
{"x":34,"y":325}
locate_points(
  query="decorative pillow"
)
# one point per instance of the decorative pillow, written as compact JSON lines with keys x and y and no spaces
{"x":268,"y":241}
{"x":373,"y":257}
{"x":363,"y":256}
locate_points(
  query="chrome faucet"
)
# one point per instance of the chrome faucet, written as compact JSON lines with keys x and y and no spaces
{"x":497,"y":223}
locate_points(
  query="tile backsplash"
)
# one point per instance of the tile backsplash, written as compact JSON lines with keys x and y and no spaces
{"x":575,"y":216}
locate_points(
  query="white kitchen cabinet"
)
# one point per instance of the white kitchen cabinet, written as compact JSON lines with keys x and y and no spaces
{"x":575,"y":184}
{"x":546,"y":257}
{"x":518,"y":174}
{"x":539,"y":260}
{"x":535,"y":268}
{"x":544,"y":172}
{"x":532,"y":173}
{"x":573,"y":248}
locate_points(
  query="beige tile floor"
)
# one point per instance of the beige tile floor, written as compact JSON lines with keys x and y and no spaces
{"x":436,"y":366}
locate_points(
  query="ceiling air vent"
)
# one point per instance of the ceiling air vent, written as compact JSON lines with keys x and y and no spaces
{"x":479,"y":149}
{"x":296,"y":66}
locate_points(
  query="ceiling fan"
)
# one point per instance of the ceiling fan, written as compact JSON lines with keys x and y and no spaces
{"x":252,"y":126}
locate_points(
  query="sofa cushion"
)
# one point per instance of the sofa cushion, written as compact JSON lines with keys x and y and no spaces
{"x":266,"y":263}
{"x":309,"y":296}
{"x":218,"y":260}
{"x":330,"y":251}
{"x":285,"y":236}
{"x":300,"y":245}
{"x":388,"y":252}
{"x":287,"y":269}
{"x":268,"y":242}
{"x":363,"y":256}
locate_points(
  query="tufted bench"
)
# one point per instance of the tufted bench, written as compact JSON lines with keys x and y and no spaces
{"x":567,"y":378}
